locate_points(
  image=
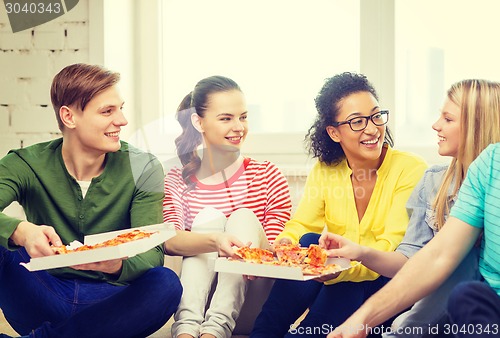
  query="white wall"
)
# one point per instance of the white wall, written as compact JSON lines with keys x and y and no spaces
{"x":28,"y":62}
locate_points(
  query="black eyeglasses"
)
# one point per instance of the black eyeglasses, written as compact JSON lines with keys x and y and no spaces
{"x":361,"y":122}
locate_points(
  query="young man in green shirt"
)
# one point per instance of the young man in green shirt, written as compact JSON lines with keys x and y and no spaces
{"x":84,"y":183}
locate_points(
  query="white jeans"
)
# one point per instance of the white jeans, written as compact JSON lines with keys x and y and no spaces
{"x":197,"y":276}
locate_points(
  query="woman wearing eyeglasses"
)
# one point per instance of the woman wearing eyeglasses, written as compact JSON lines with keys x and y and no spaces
{"x":357,"y":189}
{"x":468,"y":123}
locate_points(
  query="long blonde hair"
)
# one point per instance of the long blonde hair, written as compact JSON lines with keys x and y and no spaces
{"x":479,"y":101}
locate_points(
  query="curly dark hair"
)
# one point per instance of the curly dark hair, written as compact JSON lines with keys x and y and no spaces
{"x":318,"y":142}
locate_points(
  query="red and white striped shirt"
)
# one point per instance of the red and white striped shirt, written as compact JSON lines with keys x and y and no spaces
{"x":258,"y":186}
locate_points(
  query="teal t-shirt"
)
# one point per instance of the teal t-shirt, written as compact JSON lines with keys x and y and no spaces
{"x":478,"y":204}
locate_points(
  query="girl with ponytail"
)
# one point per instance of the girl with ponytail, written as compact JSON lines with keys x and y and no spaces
{"x":220,"y":191}
{"x":188,"y":142}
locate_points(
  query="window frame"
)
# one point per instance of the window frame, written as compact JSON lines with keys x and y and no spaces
{"x":377,"y":54}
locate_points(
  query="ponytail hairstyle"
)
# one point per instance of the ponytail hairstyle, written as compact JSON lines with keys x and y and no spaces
{"x":479,"y":102}
{"x":196,"y":102}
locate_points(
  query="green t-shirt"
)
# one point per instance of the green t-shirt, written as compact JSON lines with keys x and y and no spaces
{"x":128,"y":193}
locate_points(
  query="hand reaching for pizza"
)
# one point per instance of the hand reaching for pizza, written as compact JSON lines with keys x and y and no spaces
{"x":225,"y":242}
{"x":338,"y":246}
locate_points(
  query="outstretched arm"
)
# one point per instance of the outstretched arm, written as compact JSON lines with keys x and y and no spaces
{"x":187,"y":243}
{"x":423,"y":273}
{"x":382,"y":262}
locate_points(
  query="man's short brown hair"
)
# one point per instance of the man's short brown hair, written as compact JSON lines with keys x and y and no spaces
{"x":78,"y":84}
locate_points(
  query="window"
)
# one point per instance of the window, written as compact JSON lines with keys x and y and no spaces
{"x":455,"y":41}
{"x":278,"y":51}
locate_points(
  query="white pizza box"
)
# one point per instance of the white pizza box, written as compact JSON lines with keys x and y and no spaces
{"x":275,"y":271}
{"x":163,"y":231}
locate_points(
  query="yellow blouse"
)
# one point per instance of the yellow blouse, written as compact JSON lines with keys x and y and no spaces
{"x":328,"y":201}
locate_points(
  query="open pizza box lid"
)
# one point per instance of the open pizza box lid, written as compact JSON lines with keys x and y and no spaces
{"x":275,"y":271}
{"x":162,"y":231}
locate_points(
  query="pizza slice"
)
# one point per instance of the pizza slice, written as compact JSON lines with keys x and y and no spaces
{"x":320,"y":270}
{"x":59,"y":250}
{"x":290,"y":254}
{"x":254,"y":255}
{"x":126,"y":237}
{"x":316,"y":255}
